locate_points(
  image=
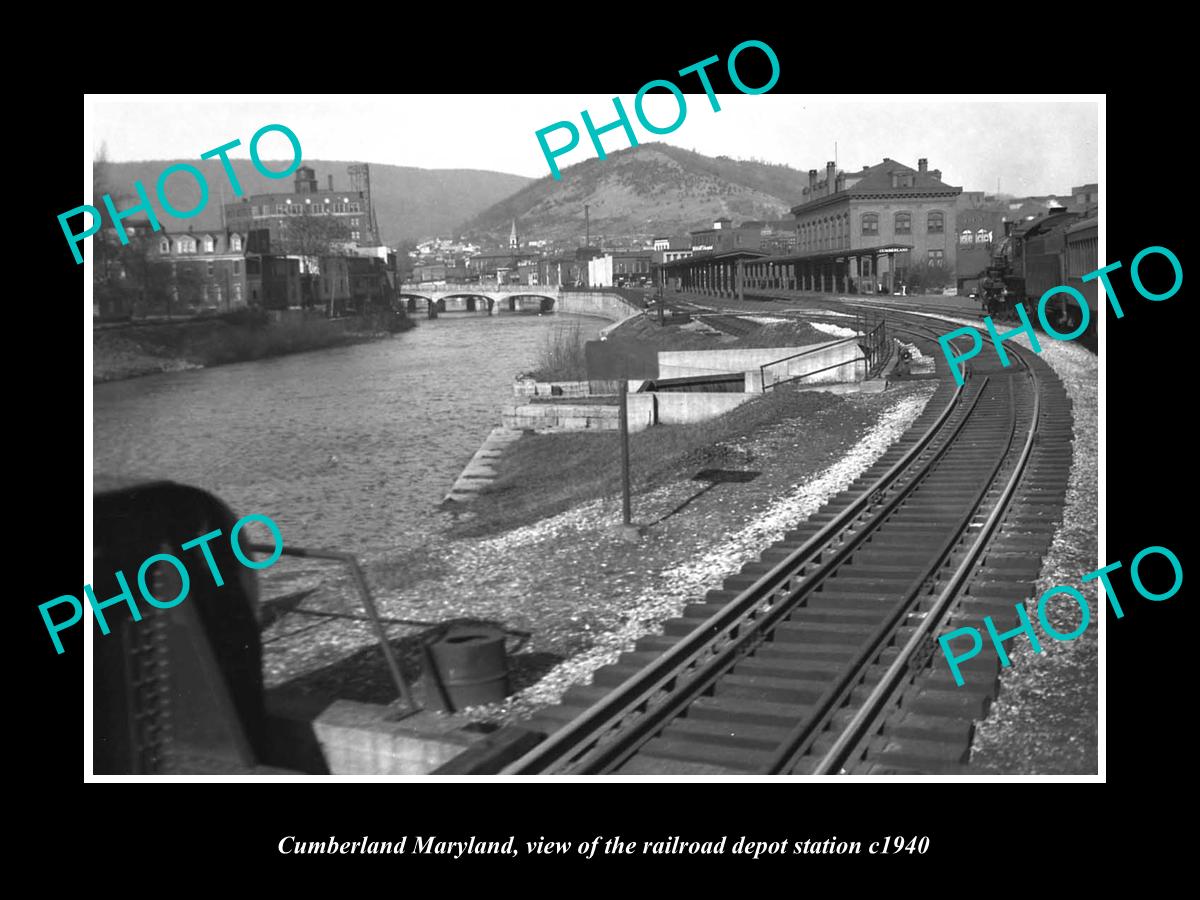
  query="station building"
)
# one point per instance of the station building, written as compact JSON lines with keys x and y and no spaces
{"x":860,"y":232}
{"x":887,"y":217}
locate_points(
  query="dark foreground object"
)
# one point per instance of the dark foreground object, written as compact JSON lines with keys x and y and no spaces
{"x":181,"y":690}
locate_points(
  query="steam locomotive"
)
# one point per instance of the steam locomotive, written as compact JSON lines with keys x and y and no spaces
{"x":1054,"y":249}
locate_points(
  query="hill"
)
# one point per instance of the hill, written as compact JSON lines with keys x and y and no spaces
{"x":642,"y":192}
{"x":410,"y":203}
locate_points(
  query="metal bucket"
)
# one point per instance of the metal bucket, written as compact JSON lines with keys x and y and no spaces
{"x":467,"y":665}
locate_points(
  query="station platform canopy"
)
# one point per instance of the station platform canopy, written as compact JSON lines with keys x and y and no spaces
{"x":734,"y":272}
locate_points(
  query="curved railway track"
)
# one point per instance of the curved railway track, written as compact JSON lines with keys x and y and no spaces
{"x":821,"y":657}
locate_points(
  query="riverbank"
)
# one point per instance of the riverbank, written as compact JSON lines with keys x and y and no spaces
{"x":583,"y":592}
{"x":151,"y":348}
{"x":542,"y":475}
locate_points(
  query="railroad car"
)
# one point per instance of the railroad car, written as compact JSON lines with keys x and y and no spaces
{"x":1058,"y":248}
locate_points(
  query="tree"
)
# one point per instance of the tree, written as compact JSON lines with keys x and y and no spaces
{"x":127,"y":278}
{"x":108,"y":293}
{"x":188,"y":285}
{"x":310,"y":237}
{"x":923,"y":277}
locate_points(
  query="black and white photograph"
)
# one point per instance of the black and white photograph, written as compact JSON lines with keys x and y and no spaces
{"x":565,"y":441}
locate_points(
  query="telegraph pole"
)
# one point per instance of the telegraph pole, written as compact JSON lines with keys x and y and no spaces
{"x":625,"y":510}
{"x":587,"y":224}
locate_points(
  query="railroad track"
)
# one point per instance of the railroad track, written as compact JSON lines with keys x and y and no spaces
{"x":821,"y":657}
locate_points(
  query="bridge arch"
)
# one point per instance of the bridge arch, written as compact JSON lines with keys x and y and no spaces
{"x":467,"y":301}
{"x":530,"y":302}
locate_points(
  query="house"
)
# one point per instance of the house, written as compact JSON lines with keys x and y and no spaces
{"x":207,"y":269}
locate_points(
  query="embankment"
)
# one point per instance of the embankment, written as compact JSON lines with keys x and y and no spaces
{"x":148,"y":348}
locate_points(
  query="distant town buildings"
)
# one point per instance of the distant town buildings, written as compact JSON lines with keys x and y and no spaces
{"x":308,"y":248}
{"x":875,"y":229}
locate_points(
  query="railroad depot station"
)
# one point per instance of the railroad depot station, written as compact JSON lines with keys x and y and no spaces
{"x":856,"y":232}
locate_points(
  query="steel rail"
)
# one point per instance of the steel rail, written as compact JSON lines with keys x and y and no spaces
{"x":867,"y":712}
{"x":644,"y":685}
{"x":802,"y":737}
{"x":609,"y":754}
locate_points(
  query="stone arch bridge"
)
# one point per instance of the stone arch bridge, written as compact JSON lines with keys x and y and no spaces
{"x":508,"y":299}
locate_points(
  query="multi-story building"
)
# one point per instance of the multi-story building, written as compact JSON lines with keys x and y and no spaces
{"x":902,"y":216}
{"x":620,"y":267}
{"x":1084,"y":196}
{"x":347,"y":213}
{"x":776,"y":237}
{"x":273,"y":282}
{"x":722,"y":236}
{"x":670,"y":249}
{"x":207,"y":268}
{"x":979,"y":231}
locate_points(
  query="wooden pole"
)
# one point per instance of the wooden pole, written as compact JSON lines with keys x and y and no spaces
{"x":625,"y":511}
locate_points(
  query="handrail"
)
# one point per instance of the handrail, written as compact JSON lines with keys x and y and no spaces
{"x":364,"y":589}
{"x":762,"y":370}
{"x":817,"y":371}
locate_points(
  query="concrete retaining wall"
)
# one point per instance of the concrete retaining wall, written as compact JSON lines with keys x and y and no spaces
{"x":852,"y":369}
{"x":525,"y":387}
{"x":690,"y":363}
{"x":356,"y":740}
{"x":569,"y":417}
{"x":593,"y":303}
{"x":662,"y":408}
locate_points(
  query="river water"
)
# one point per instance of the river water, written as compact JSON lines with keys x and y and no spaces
{"x":349,"y":448}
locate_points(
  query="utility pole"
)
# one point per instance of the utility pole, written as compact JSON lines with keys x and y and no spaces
{"x":625,"y":511}
{"x":587,"y":224}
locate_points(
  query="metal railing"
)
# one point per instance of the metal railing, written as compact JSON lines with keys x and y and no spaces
{"x":372,"y":611}
{"x":871,"y":340}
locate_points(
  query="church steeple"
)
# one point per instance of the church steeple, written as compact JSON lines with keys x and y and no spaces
{"x":512,"y":237}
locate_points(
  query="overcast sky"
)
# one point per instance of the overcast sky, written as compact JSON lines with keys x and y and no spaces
{"x":1031,"y":147}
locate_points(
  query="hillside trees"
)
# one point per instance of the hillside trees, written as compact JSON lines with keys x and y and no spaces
{"x":125,"y":279}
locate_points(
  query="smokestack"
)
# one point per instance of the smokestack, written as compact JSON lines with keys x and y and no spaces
{"x":812,"y":180}
{"x":922,"y":164}
{"x":330,"y":177}
{"x":830,"y":176}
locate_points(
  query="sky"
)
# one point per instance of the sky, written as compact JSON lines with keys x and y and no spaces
{"x":1040,"y":147}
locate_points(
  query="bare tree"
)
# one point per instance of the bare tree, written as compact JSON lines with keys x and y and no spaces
{"x":311,"y":237}
{"x":126,"y":276}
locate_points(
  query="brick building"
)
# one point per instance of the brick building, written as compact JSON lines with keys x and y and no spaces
{"x":978,"y":233}
{"x":348,"y":212}
{"x":207,"y":268}
{"x":273,"y":282}
{"x":906,"y":215}
{"x":722,"y":237}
